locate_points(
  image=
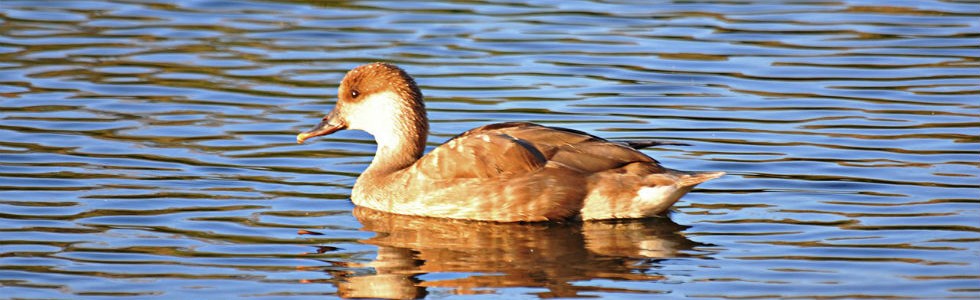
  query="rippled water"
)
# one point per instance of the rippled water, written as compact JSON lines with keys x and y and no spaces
{"x":147,"y":147}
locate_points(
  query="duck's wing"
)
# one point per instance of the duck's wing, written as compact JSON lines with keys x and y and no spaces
{"x":576,"y":149}
{"x":507,"y":149}
{"x":481,"y":154}
{"x":641,"y":144}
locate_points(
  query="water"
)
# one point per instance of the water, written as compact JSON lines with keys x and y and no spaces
{"x":147,"y":147}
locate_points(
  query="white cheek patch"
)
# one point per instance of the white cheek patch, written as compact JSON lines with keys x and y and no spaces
{"x":378,"y":115}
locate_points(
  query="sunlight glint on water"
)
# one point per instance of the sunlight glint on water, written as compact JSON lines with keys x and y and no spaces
{"x":147,"y":147}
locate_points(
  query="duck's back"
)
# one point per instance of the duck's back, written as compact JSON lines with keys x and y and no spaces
{"x":529,"y":172}
{"x":517,"y":147}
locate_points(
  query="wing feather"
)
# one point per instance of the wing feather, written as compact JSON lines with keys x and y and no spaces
{"x":506,"y":149}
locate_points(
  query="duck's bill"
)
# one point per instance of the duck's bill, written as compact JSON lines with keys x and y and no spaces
{"x":324,"y":128}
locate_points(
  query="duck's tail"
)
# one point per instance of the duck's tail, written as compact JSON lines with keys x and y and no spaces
{"x":690,"y":179}
{"x":639,"y":196}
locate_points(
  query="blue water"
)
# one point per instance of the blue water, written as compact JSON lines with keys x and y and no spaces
{"x":147,"y":147}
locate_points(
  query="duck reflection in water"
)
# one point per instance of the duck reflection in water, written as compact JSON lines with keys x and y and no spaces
{"x":489,"y":255}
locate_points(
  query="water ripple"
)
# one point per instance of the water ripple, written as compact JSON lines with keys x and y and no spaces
{"x":147,"y":148}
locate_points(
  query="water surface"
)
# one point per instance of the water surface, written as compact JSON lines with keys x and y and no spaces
{"x":147,"y":147}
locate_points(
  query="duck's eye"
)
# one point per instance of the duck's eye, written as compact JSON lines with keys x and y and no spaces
{"x":354,"y":94}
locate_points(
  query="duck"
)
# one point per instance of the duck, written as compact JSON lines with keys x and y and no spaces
{"x":503,"y":172}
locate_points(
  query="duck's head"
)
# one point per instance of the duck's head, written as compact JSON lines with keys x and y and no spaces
{"x":379,"y":98}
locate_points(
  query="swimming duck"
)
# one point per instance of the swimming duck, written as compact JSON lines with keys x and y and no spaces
{"x":505,"y":172}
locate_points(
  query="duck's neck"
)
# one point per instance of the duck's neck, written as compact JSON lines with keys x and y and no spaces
{"x":402,"y":144}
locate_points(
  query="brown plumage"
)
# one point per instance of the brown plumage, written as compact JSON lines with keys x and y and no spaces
{"x":505,"y":172}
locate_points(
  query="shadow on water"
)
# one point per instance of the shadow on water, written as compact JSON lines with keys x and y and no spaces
{"x":147,"y":147}
{"x":464,"y":257}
